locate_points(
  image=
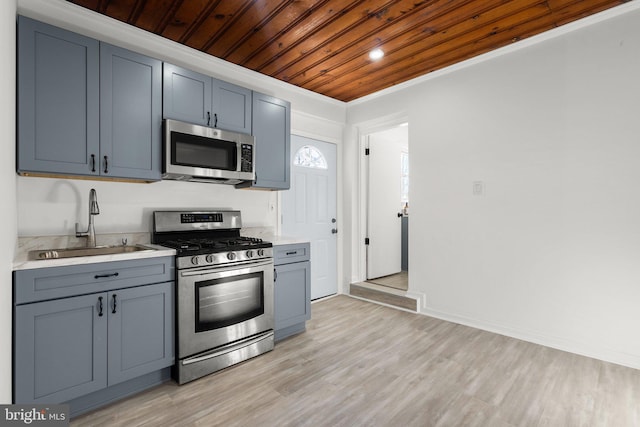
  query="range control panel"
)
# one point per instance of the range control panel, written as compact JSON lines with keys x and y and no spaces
{"x":201,"y":217}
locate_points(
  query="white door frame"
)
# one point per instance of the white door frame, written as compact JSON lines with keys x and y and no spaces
{"x":363,"y":131}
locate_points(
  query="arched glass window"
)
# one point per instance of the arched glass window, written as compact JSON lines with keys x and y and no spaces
{"x":310,"y":157}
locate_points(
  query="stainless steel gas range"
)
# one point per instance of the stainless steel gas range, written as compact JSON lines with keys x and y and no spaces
{"x":224,"y":287}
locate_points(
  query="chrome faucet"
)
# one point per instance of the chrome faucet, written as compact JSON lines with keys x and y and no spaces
{"x":94,"y":209}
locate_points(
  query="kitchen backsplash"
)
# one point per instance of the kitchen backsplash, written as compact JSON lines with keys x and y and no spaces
{"x":51,"y":207}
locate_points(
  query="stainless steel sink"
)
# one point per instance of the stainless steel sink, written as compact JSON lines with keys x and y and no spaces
{"x":43,"y":254}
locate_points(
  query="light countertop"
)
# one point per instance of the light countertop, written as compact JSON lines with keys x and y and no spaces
{"x":21,"y":260}
{"x":284,"y":240}
{"x":27,"y":244}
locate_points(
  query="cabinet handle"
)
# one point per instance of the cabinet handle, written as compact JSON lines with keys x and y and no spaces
{"x":100,"y":306}
{"x":93,"y":163}
{"x":208,"y":118}
{"x":215,"y":118}
{"x":114,"y":304}
{"x":102,"y":276}
{"x":291,"y":253}
{"x":275,"y":274}
{"x":106,"y":164}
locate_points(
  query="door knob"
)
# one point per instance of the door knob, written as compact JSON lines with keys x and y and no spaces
{"x":334,"y":231}
{"x":333,"y":220}
{"x":399,"y":214}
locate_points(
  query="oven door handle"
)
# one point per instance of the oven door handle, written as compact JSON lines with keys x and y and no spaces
{"x":229,"y":348}
{"x":250,"y":265}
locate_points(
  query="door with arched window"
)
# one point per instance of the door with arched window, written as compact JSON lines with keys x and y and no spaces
{"x":309,"y":209}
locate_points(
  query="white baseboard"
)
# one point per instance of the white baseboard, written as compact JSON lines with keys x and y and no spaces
{"x":557,"y":342}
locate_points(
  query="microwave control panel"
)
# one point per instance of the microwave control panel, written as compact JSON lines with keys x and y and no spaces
{"x":246,"y":158}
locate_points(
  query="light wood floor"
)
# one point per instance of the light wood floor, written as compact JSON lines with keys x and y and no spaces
{"x":362,"y":364}
{"x":396,"y":281}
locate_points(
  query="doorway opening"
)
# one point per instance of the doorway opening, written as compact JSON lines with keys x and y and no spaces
{"x":387,"y":209}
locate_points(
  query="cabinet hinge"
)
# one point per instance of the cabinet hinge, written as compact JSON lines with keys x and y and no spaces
{"x":366,"y":240}
{"x":366,"y":151}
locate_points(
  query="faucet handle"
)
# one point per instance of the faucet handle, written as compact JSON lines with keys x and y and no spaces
{"x":124,"y":241}
{"x":80,"y":233}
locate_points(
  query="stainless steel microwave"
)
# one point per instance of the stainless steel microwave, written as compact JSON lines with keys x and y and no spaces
{"x":199,"y":153}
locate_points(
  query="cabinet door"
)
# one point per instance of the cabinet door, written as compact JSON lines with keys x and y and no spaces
{"x":130,"y":114}
{"x":187,"y":95}
{"x":231,"y":106}
{"x":60,"y":349}
{"x":292,"y":294}
{"x":58,"y":100}
{"x":272,"y":130}
{"x":140,"y":331}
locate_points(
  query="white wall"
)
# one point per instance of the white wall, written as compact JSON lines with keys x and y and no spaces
{"x":8,"y":229}
{"x":550,"y":252}
{"x":49,"y":206}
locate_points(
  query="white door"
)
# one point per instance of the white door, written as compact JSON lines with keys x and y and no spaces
{"x":309,"y":209}
{"x":384,"y":225}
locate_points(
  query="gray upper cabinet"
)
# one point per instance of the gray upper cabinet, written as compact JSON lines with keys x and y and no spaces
{"x":85,"y":107}
{"x":231,"y":106}
{"x":58,"y":100}
{"x":130,"y":114}
{"x":272,"y":130}
{"x":196,"y":98}
{"x":187,"y":95}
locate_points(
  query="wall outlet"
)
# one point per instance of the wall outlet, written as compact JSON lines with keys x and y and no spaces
{"x":478,"y":188}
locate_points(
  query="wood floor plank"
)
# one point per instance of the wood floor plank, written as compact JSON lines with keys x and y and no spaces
{"x":363,"y":364}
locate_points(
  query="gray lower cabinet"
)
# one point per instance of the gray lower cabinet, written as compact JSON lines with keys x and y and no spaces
{"x":85,"y":107}
{"x":73,"y":346}
{"x":197,"y":98}
{"x":272,"y":130}
{"x":292,"y":289}
{"x":140,"y":331}
{"x":60,"y":349}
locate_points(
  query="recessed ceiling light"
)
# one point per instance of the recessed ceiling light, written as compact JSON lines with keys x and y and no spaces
{"x":376,"y":54}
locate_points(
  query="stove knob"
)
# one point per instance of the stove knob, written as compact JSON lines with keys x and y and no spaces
{"x":231,"y":256}
{"x":249,"y":254}
{"x":195,"y":260}
{"x":260,"y":252}
{"x":209,"y":259}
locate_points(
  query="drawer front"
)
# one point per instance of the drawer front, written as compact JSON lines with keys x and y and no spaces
{"x":59,"y":282}
{"x":286,"y":254}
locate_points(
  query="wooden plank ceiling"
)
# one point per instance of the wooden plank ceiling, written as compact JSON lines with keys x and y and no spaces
{"x":323,"y":45}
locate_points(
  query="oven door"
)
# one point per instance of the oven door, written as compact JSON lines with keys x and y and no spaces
{"x":220,"y":305}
